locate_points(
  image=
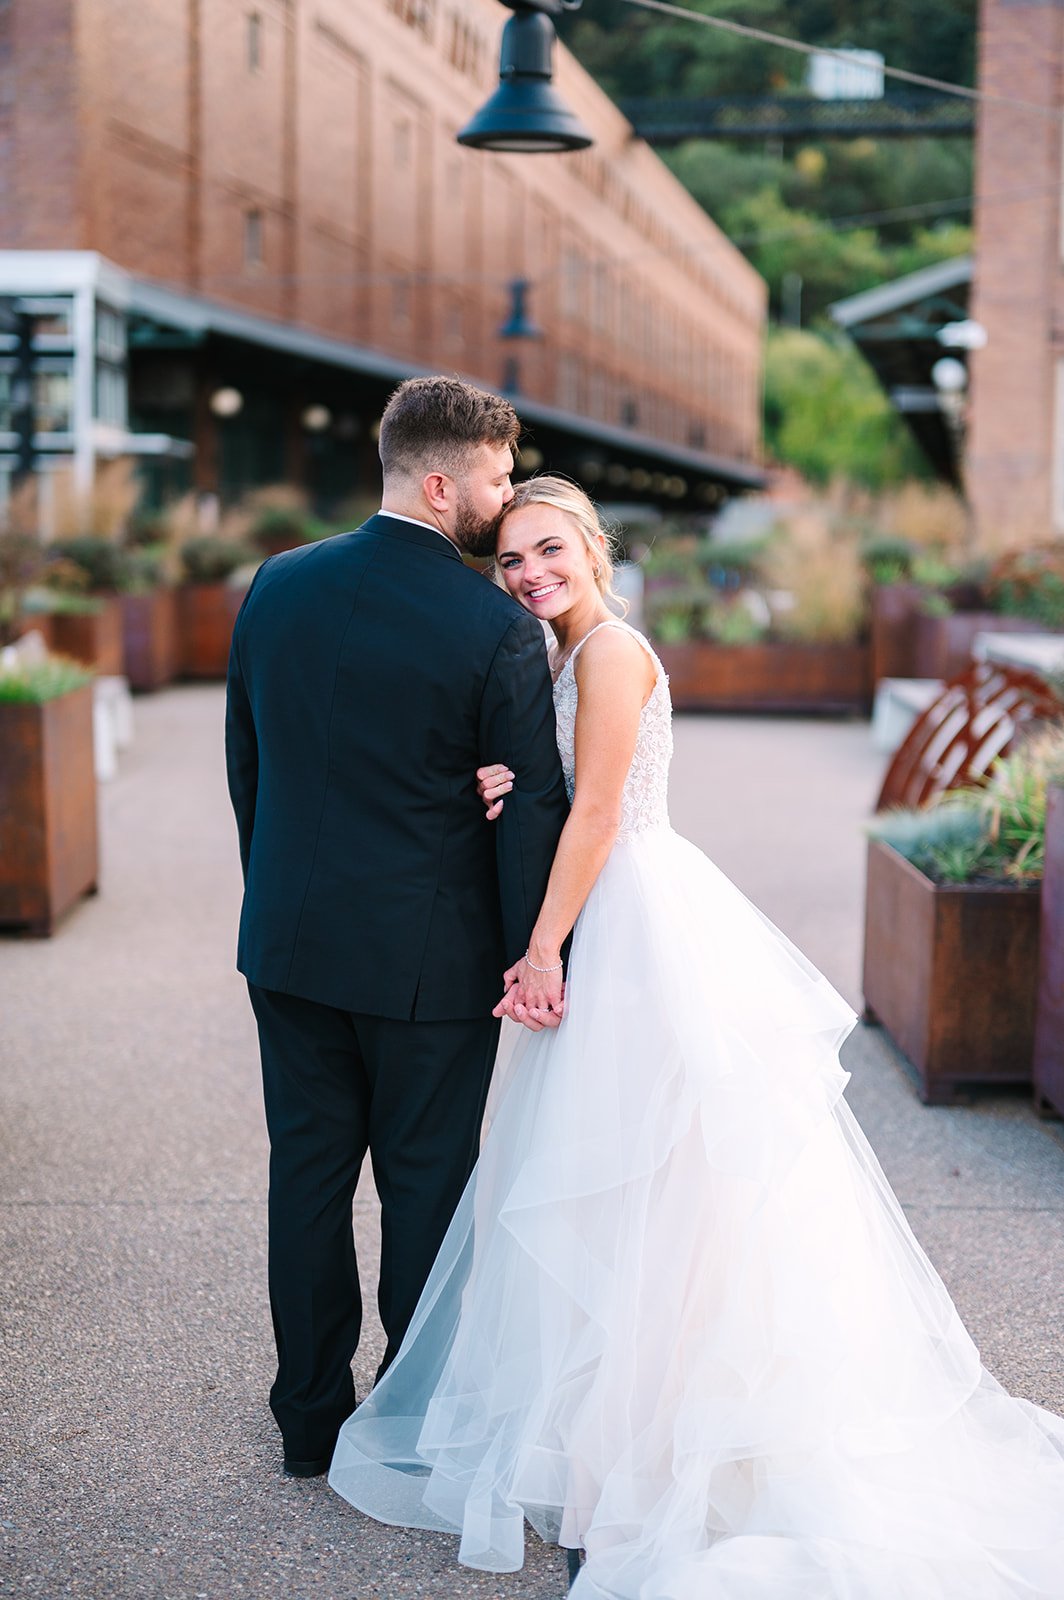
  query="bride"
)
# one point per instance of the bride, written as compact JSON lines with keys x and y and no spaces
{"x":679,"y":1320}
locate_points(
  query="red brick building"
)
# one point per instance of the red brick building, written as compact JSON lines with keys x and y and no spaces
{"x":1015,"y":461}
{"x":279,"y":207}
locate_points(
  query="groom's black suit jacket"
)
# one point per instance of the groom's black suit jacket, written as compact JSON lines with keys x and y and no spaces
{"x":370,"y":675}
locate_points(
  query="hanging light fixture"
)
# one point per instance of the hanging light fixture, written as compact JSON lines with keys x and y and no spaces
{"x":518,"y":324}
{"x":526,"y":114}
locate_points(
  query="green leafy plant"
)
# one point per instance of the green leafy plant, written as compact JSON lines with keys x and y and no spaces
{"x":145,"y":570}
{"x":887,"y":558}
{"x":102,"y":565}
{"x":936,"y":604}
{"x":935,"y":571}
{"x":21,"y":564}
{"x":33,"y":682}
{"x":1030,"y":583}
{"x":65,"y":603}
{"x":674,"y":614}
{"x":732,"y":622}
{"x":210,"y":559}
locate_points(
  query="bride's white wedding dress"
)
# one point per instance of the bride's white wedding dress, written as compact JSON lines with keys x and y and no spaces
{"x":679,"y":1317}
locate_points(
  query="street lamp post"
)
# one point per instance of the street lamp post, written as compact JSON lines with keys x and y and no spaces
{"x":526,"y":115}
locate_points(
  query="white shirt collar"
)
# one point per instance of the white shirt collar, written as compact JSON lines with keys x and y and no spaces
{"x":418,"y":523}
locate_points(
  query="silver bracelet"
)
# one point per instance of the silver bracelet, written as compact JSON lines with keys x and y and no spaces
{"x":532,"y":964}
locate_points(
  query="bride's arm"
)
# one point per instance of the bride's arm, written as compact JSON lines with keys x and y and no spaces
{"x":614,"y":676}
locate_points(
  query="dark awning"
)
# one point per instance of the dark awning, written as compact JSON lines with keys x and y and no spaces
{"x":897,"y":327}
{"x":605,"y":443}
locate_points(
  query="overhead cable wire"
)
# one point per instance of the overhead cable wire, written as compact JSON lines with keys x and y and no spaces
{"x":745,"y":31}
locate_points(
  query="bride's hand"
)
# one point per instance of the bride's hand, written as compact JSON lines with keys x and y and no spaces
{"x":492,"y":784}
{"x":536,"y":999}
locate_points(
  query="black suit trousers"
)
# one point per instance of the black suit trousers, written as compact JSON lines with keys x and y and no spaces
{"x":337,"y":1084}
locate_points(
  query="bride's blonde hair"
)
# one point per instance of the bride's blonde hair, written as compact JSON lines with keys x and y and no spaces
{"x":550,"y":489}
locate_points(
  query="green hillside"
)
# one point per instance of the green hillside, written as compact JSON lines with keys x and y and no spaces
{"x":823,"y":219}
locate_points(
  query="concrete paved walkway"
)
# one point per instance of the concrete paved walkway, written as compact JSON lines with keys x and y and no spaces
{"x":137,"y":1454}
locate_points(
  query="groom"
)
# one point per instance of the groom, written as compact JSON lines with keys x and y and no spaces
{"x":370,"y":675}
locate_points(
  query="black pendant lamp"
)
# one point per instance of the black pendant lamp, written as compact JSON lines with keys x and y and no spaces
{"x":526,"y":115}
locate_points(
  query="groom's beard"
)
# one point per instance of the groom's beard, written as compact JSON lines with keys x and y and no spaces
{"x":474,"y":533}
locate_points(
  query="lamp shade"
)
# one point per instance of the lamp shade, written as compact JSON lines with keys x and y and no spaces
{"x":526,"y":114}
{"x":518,"y":324}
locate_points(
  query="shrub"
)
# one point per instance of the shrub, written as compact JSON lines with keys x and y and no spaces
{"x":33,"y":682}
{"x":1030,"y":583}
{"x":887,"y":558}
{"x":212,"y":560}
{"x":102,"y":565}
{"x":733,"y":622}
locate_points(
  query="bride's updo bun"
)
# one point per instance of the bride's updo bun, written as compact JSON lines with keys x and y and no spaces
{"x":550,"y":489}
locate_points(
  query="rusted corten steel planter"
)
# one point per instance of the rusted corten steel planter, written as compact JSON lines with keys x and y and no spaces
{"x":93,"y":638}
{"x":35,"y":622}
{"x":48,"y":841}
{"x":895,"y":610}
{"x":149,"y":638}
{"x":206,"y":613}
{"x":768,"y":677}
{"x":951,"y":972}
{"x":944,"y":644}
{"x":1049,"y":1015}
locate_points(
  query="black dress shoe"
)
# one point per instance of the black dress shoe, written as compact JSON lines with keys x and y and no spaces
{"x":306,"y":1469}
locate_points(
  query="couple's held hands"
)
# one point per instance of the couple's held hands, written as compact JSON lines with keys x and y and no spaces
{"x":493,"y":784}
{"x":535,"y":993}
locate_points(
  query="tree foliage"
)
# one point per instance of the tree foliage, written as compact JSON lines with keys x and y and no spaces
{"x":634,"y":52}
{"x":810,"y":218}
{"x":826,"y":414}
{"x":816,"y":211}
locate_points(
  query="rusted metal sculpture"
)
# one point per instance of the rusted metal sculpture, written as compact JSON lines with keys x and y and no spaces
{"x":962,"y":733}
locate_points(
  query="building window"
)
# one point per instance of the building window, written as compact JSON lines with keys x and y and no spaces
{"x":568,"y":383}
{"x":54,"y":395}
{"x":53,"y":320}
{"x":110,"y":335}
{"x":401,"y":303}
{"x":253,"y":256}
{"x":401,"y":142}
{"x":254,"y":41}
{"x":454,"y":322}
{"x":572,"y":283}
{"x":7,"y":378}
{"x":111,"y":395}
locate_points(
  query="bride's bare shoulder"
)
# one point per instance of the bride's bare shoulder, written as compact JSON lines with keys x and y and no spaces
{"x":616,"y":652}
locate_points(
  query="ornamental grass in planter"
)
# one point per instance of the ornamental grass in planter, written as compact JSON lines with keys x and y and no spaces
{"x":215,"y":583}
{"x":83,"y":579}
{"x":149,"y":623}
{"x":952,"y":925}
{"x":48,"y":840}
{"x":772,"y":626}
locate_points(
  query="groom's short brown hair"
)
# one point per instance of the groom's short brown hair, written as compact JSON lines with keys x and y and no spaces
{"x":431,"y":424}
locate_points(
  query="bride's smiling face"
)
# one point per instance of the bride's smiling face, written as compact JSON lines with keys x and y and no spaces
{"x":545,"y":561}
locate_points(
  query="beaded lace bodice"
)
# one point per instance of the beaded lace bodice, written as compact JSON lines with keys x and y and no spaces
{"x":644,"y":802}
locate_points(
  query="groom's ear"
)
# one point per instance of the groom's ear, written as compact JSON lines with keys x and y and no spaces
{"x":438,"y":489}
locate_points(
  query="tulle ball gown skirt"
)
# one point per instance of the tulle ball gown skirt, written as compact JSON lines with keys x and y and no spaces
{"x":679,"y":1318}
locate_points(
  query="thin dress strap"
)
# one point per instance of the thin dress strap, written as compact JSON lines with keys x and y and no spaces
{"x":614,"y":622}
